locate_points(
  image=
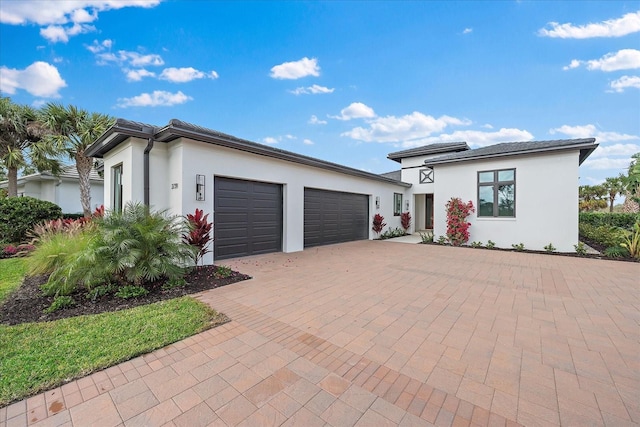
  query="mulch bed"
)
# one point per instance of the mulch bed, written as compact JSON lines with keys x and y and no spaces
{"x":27,"y":303}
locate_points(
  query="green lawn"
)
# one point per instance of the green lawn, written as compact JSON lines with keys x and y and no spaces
{"x":11,"y":272}
{"x":38,"y":356}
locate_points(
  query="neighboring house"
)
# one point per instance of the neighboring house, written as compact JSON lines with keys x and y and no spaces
{"x":63,"y":190}
{"x":263,"y":199}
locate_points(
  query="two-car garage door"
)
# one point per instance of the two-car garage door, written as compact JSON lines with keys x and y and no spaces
{"x":248,"y":217}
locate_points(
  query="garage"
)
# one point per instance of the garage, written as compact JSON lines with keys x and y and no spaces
{"x":247,"y":218}
{"x":334,"y":217}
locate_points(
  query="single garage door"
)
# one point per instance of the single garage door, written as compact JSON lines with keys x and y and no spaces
{"x":334,"y":217}
{"x":247,"y":218}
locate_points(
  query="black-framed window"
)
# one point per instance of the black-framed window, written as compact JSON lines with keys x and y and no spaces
{"x":397,"y":204}
{"x":116,"y":187}
{"x":497,"y":193}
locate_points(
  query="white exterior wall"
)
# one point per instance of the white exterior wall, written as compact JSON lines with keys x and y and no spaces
{"x":181,"y":160}
{"x":130,"y":155}
{"x":64,"y":193}
{"x":546,"y":200}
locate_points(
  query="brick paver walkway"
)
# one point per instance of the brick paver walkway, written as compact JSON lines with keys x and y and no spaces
{"x":373,"y":334}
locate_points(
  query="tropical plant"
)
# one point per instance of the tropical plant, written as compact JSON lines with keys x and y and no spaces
{"x":222,"y":272}
{"x":614,"y":186}
{"x":393,"y":232}
{"x":134,"y":246}
{"x":550,"y":248}
{"x":592,"y":197}
{"x":441,"y":240}
{"x":22,"y":143}
{"x":426,"y":237}
{"x":57,"y":251}
{"x":580,"y":248}
{"x":18,"y":215}
{"x":490,"y":244}
{"x":405,"y":220}
{"x":632,"y":242}
{"x":616,"y":252}
{"x":457,"y":225}
{"x":131,"y":291}
{"x":60,"y":302}
{"x":632,"y":180}
{"x":72,"y":131}
{"x":378,"y":223}
{"x":199,"y":234}
{"x":518,"y":247}
{"x":477,"y":244}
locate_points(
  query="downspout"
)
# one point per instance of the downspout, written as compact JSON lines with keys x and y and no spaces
{"x":146,"y":170}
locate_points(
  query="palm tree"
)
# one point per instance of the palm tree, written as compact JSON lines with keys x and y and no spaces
{"x":73,"y":131}
{"x":614,"y":186}
{"x":632,"y":180}
{"x":23,"y":143}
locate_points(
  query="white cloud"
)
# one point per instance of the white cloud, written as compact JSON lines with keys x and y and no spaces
{"x":185,"y":74}
{"x":62,"y":19}
{"x":38,"y":103}
{"x":312,"y":90}
{"x":627,"y":24}
{"x":270,"y":140}
{"x":402,"y":129}
{"x":158,"y":98}
{"x":39,"y":79}
{"x":487,"y":126}
{"x":314,"y":120}
{"x":619,"y":85}
{"x":357,"y":110}
{"x":624,"y":59}
{"x":616,"y":150}
{"x":133,"y":59}
{"x":296,"y":69}
{"x":98,"y":47}
{"x":475,"y":138}
{"x":467,"y":31}
{"x":606,"y":163}
{"x":307,"y":141}
{"x":590,"y":131}
{"x":573,"y":64}
{"x":137,"y":75}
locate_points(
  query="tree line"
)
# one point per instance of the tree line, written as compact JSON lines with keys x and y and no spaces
{"x":39,"y":139}
{"x":594,"y":197}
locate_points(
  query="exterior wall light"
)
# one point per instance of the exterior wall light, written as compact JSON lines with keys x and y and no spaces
{"x":377,"y":202}
{"x":200,"y":187}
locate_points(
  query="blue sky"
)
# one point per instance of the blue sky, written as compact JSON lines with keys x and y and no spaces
{"x":347,"y":82}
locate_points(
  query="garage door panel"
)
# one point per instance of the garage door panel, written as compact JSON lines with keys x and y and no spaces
{"x":248,"y":217}
{"x":334,"y":217}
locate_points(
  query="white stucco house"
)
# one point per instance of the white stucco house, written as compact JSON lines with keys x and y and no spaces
{"x":263,"y":199}
{"x":63,"y":190}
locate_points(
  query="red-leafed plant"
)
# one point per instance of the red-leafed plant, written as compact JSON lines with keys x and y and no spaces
{"x":378,"y":223}
{"x":405,"y":220}
{"x":457,"y":225}
{"x":99,"y":212}
{"x":199,"y":234}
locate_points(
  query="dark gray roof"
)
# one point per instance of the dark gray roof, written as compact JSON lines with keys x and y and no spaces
{"x":68,"y":173}
{"x":124,"y":129}
{"x":585,"y":145}
{"x":397,"y":175}
{"x":440,"y":147}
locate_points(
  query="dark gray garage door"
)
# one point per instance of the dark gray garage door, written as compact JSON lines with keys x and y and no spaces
{"x":247,"y":219}
{"x":334,"y":217}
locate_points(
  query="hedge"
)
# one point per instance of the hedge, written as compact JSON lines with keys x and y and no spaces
{"x":611,"y":219}
{"x":18,"y":215}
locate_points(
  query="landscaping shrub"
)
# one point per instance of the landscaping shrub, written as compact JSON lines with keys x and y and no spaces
{"x":391,"y":233}
{"x":457,"y":225}
{"x":604,"y":235}
{"x":632,"y":241}
{"x":378,"y":223}
{"x":18,"y":215}
{"x":199,"y":234}
{"x":59,"y":303}
{"x":405,"y":220}
{"x":57,"y":250}
{"x":611,"y":219}
{"x":131,"y":291}
{"x":134,"y":246}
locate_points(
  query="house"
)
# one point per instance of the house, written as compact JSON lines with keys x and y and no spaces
{"x":63,"y":190}
{"x":264,"y":199}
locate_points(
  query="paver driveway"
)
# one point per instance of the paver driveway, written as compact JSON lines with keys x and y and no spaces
{"x":373,"y":333}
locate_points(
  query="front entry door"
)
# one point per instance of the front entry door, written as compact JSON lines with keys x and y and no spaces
{"x":429,"y":211}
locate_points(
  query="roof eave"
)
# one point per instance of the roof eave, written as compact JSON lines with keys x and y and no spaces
{"x":585,"y":150}
{"x":115,"y":135}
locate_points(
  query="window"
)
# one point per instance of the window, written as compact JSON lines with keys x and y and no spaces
{"x":397,"y":204}
{"x":497,"y":193}
{"x":116,"y":191}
